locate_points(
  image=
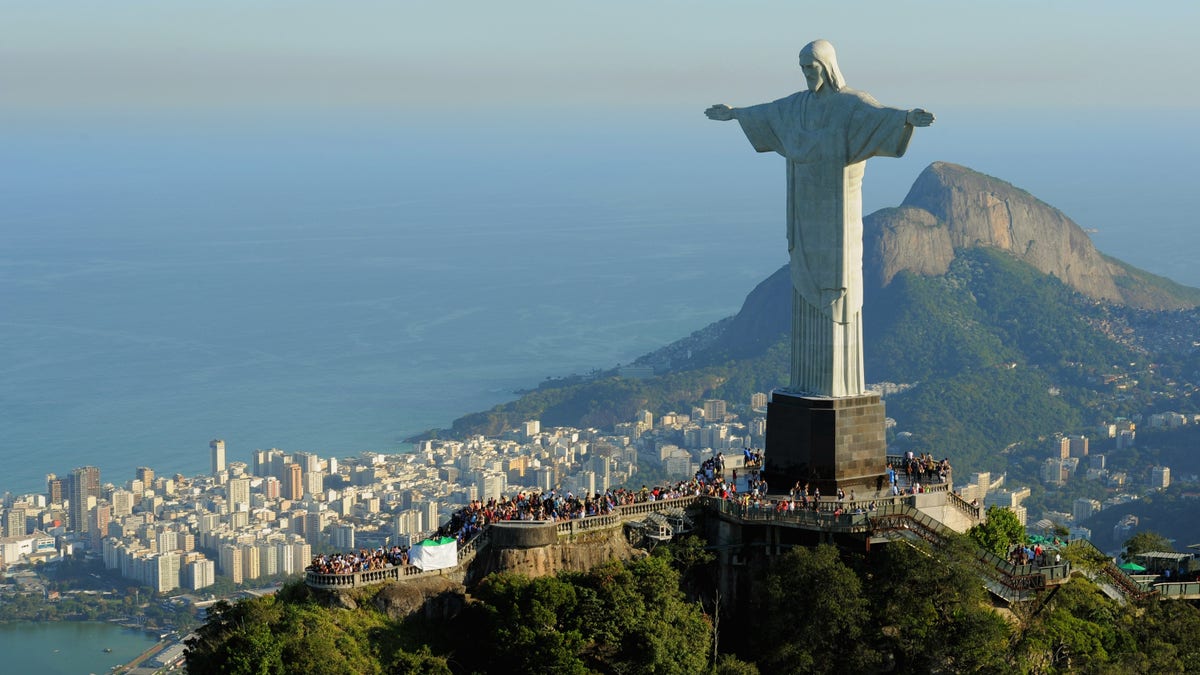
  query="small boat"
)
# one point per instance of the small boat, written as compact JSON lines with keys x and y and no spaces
{"x":108,"y":650}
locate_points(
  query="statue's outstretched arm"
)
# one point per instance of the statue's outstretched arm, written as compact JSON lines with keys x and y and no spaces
{"x":919,"y":117}
{"x":721,"y":113}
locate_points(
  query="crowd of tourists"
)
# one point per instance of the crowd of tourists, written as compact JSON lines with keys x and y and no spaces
{"x":917,"y":471}
{"x":362,"y":560}
{"x":924,"y":468}
{"x":555,"y":505}
{"x":1023,"y":554}
{"x":709,"y":481}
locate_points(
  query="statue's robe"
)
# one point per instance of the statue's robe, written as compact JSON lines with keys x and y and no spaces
{"x":826,"y":140}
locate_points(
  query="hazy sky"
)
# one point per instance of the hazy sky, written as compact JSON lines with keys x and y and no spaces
{"x":78,"y":57}
{"x":1083,"y":103}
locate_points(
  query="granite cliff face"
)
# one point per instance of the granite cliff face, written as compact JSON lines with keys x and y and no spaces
{"x":951,"y":208}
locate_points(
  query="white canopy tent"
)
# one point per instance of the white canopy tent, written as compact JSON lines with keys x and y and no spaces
{"x":434,"y":554}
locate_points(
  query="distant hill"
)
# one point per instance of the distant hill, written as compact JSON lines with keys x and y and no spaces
{"x":996,"y":305}
{"x":951,"y":209}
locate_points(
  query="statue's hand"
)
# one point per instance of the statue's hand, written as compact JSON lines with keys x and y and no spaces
{"x":919,"y":118}
{"x":720,"y":112}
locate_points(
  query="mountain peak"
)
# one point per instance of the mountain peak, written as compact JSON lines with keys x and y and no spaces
{"x":951,"y":208}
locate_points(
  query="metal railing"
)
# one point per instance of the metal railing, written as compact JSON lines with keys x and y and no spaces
{"x":902,"y":478}
{"x":1118,"y":578}
{"x":825,"y":518}
{"x":1182,"y":590}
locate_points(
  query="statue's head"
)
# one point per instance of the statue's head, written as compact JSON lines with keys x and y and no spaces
{"x":819,"y":63}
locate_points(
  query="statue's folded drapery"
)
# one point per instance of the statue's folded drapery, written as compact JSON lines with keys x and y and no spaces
{"x":826,"y":141}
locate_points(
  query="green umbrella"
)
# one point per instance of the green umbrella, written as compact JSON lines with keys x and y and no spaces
{"x":1132,"y":567}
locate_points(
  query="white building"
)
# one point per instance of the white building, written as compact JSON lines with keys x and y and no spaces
{"x":199,"y":573}
{"x":35,"y":546}
{"x":162,"y":572}
{"x":268,"y":559}
{"x":758,"y":401}
{"x":532,"y":428}
{"x":217,"y":447}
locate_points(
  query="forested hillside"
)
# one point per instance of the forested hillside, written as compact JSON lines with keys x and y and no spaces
{"x":902,"y":609}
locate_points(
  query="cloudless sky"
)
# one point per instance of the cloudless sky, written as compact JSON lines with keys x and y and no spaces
{"x":77,"y":57}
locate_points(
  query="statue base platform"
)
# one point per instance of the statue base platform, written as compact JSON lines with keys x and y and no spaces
{"x":828,"y":443}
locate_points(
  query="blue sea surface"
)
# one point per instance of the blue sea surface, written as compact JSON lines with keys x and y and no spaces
{"x":336,"y":287}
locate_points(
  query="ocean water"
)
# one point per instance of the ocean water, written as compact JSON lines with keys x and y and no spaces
{"x":337,"y":286}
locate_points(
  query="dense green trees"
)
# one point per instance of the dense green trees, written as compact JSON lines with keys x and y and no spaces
{"x":999,"y":531}
{"x":1080,"y":631}
{"x":628,"y":617}
{"x":1167,"y":637}
{"x":290,"y":633}
{"x":620,"y":617}
{"x":932,"y":611}
{"x":813,"y":616}
{"x":1143,"y":542}
{"x":905,"y":607}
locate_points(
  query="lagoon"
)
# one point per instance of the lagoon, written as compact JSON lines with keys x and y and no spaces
{"x":69,"y":647}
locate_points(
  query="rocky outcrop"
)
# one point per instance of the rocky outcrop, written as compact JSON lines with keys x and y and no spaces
{"x":951,"y":208}
{"x":579,"y":555}
{"x":906,"y":238}
{"x":435,"y":598}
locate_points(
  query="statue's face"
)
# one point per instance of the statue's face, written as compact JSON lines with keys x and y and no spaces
{"x":814,"y":72}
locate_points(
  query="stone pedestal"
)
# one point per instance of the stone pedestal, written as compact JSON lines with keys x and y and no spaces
{"x":825,"y":442}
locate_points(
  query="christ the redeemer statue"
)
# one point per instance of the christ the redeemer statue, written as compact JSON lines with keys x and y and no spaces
{"x":826,"y":133}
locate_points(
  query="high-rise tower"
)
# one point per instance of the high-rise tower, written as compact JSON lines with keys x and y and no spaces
{"x":293,"y":484}
{"x":14,"y":522}
{"x":85,"y":483}
{"x":237,"y":492}
{"x":54,"y":489}
{"x":218,"y":456}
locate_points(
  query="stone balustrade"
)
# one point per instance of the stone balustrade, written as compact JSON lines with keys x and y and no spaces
{"x":468,"y":551}
{"x":333,"y":582}
{"x":973,"y":511}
